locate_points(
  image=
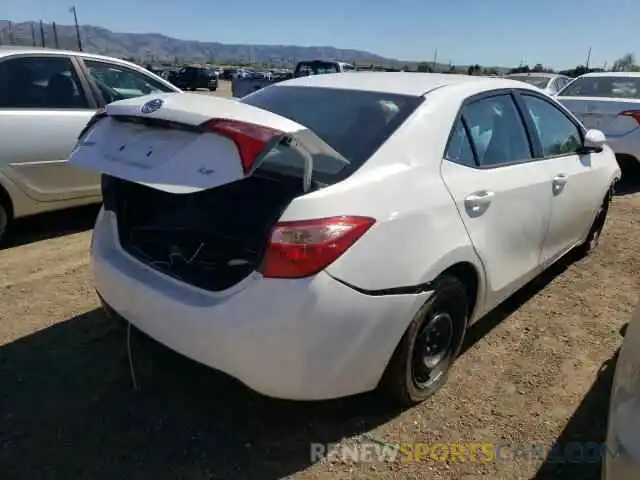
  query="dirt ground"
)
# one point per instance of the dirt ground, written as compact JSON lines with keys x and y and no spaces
{"x":538,"y":370}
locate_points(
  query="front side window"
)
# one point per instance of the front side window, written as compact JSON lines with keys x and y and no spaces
{"x":497,"y":131}
{"x":117,"y":82}
{"x":558,"y":135}
{"x":45,"y":82}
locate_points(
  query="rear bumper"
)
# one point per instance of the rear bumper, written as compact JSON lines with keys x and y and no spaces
{"x":308,"y":339}
{"x":626,"y":145}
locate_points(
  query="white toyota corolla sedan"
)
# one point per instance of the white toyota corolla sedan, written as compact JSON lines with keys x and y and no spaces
{"x":332,"y":234}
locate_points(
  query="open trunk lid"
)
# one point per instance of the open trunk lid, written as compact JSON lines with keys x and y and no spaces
{"x":185,"y":143}
{"x":613,"y":116}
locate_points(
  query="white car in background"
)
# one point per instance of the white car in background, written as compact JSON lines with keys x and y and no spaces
{"x":46,"y":98}
{"x":336,"y":233}
{"x":551,"y":83}
{"x":621,"y":457}
{"x":609,"y":101}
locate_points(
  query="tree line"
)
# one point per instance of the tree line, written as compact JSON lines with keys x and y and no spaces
{"x":626,"y":63}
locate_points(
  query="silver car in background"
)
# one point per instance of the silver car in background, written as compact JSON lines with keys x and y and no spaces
{"x":551,"y":83}
{"x":46,"y":99}
{"x":610,"y":102}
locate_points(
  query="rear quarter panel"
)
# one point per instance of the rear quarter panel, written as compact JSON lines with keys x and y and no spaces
{"x":418,"y":231}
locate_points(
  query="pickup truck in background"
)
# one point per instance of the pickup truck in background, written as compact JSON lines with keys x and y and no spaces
{"x":242,"y":86}
{"x":193,"y":77}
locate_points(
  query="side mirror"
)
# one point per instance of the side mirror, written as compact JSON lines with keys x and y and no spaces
{"x":593,"y":142}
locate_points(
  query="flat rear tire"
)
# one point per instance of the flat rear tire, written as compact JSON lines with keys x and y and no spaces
{"x":423,"y":359}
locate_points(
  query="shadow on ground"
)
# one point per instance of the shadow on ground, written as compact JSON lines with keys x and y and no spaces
{"x":587,"y":425}
{"x":67,"y":409}
{"x":630,"y":182}
{"x":51,"y":225}
{"x":483,"y":326}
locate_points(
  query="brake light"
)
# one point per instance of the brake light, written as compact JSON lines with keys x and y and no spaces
{"x":99,"y":115}
{"x":302,"y":248}
{"x":250,"y":139}
{"x":635,"y":114}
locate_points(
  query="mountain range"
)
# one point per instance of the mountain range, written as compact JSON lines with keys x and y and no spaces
{"x":157,"y":47}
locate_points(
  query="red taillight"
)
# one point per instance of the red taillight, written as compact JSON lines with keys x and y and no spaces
{"x":250,"y":139}
{"x":635,"y":114}
{"x":302,"y":248}
{"x":100,"y":114}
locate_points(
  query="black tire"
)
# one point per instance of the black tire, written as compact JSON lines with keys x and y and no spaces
{"x":412,"y":375}
{"x":593,"y":238}
{"x":4,"y":221}
{"x":213,"y":89}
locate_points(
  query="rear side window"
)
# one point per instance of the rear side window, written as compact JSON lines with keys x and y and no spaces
{"x":497,"y":131}
{"x":459,"y":149}
{"x":354,"y":123}
{"x":45,"y":82}
{"x":603,"y":86}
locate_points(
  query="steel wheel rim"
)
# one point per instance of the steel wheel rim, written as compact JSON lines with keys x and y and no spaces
{"x":432,"y":350}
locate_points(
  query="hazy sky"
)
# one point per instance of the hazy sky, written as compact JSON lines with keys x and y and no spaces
{"x":492,"y":32}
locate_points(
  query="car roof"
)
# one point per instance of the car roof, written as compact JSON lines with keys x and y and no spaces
{"x":6,"y":50}
{"x":612,"y":74}
{"x":403,"y":83}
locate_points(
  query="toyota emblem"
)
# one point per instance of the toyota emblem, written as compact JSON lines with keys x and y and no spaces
{"x":151,"y":106}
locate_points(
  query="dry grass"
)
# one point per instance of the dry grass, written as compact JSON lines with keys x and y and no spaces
{"x":538,"y":369}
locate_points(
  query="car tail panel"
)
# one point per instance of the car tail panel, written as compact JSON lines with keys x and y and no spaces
{"x":606,"y":114}
{"x":185,"y":143}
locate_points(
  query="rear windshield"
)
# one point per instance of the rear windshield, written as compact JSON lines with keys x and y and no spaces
{"x":354,"y":123}
{"x":605,"y":86}
{"x":540,"y":82}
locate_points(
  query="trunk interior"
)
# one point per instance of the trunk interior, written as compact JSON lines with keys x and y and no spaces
{"x":211,"y":239}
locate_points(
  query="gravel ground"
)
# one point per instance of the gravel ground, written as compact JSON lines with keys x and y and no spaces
{"x":536,"y":370}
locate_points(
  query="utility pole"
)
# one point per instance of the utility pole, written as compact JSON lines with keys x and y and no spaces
{"x":42,"y":33}
{"x":55,"y":35}
{"x":435,"y":58}
{"x":75,"y":20}
{"x":12,"y":40}
{"x":588,"y":59}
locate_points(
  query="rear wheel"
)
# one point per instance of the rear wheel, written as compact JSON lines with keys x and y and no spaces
{"x":423,"y":359}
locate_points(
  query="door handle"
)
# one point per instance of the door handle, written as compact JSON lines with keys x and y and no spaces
{"x":559,"y":181}
{"x":482,"y":197}
{"x":478,"y":201}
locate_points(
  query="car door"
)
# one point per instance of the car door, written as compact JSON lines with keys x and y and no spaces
{"x":576,"y":181}
{"x":502,"y":195}
{"x":44,"y":106}
{"x":113,"y":81}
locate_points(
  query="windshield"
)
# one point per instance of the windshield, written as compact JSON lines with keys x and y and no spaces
{"x":354,"y":123}
{"x":603,"y":86}
{"x":537,"y":81}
